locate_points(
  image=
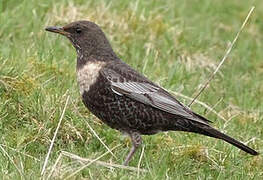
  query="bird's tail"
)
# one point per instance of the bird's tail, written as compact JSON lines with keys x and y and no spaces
{"x":212,"y":132}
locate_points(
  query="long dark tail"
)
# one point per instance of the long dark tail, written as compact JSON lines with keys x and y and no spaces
{"x":210,"y":131}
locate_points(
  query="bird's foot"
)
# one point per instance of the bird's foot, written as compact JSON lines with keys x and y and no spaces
{"x":136,"y":142}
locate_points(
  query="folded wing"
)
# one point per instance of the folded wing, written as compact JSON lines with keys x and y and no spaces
{"x":150,"y":94}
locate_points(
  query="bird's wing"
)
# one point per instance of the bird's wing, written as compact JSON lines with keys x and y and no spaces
{"x":150,"y":94}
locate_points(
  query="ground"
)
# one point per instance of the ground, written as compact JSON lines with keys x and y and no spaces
{"x":177,"y":44}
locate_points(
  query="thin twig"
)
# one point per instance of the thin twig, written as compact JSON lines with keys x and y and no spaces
{"x":101,"y":163}
{"x":54,"y":137}
{"x":13,"y":149}
{"x":224,"y":58}
{"x":201,"y":103}
{"x":95,"y":134}
{"x":9,"y":157}
{"x":139,"y":163}
{"x":55,"y":165}
{"x":86,"y":165}
{"x":212,"y":160}
{"x":212,"y":108}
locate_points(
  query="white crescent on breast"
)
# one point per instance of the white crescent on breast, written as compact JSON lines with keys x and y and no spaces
{"x":88,"y":74}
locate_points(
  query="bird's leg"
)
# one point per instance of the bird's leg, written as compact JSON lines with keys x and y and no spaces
{"x":136,"y":142}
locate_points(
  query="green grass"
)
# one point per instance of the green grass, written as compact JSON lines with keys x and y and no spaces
{"x":175,"y":43}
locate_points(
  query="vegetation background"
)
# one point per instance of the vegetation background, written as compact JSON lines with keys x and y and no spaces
{"x":177,"y":44}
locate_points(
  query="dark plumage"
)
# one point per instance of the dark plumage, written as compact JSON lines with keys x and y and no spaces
{"x":124,"y":99}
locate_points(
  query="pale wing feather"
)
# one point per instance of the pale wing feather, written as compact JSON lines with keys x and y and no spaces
{"x":149,"y":94}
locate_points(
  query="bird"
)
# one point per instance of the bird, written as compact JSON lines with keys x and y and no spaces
{"x":123,"y":98}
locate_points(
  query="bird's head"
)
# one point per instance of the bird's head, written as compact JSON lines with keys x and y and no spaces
{"x":87,"y":37}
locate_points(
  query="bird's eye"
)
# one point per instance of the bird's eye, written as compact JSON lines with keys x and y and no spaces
{"x":78,"y":30}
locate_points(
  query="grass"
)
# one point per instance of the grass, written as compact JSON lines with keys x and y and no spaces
{"x":175,"y":43}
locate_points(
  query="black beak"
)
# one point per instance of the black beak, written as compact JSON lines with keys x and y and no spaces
{"x":58,"y":30}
